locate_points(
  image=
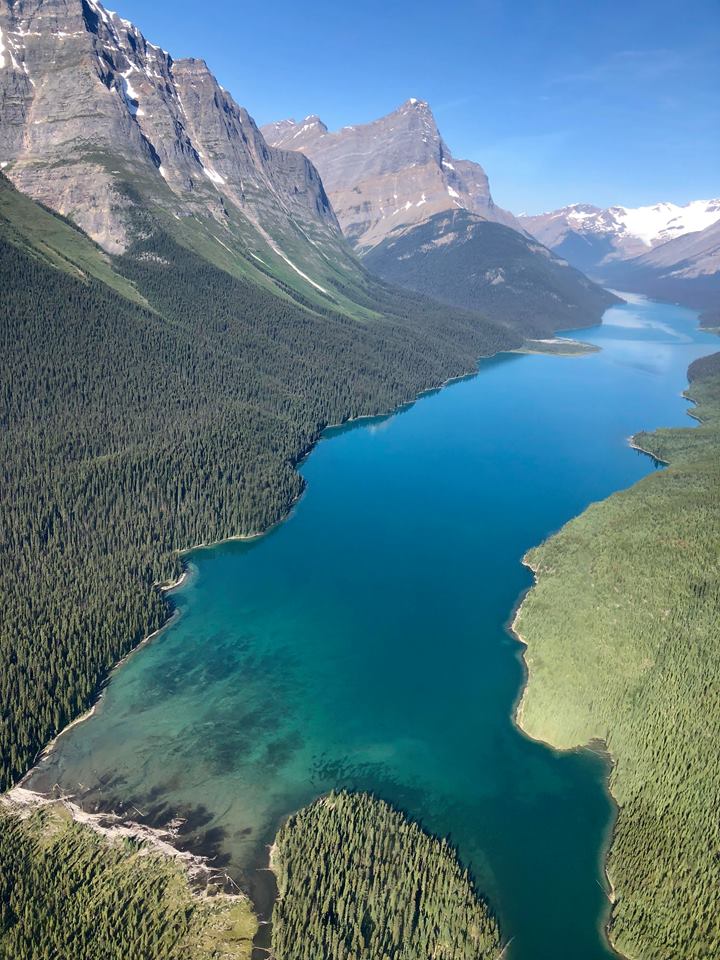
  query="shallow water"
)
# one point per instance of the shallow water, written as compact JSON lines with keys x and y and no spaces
{"x":363,"y":643}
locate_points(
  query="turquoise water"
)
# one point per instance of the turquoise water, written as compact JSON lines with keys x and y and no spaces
{"x":363,"y":643}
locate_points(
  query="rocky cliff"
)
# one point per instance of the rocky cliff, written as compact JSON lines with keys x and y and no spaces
{"x":391,"y":173}
{"x":93,"y":115}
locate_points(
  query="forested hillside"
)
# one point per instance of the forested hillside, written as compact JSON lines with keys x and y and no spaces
{"x":130,"y":432}
{"x":465,"y":261}
{"x":66,"y":893}
{"x":623,"y":633}
{"x":358,"y":880}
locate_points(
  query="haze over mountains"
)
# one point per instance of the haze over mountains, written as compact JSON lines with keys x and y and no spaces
{"x":665,"y":250}
{"x":427,"y":221}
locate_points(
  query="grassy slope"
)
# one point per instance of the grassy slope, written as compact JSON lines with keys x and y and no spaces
{"x":358,"y":880}
{"x":42,"y":233}
{"x":67,"y":892}
{"x":623,"y":634}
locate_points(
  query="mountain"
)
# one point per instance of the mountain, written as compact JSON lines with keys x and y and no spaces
{"x":389,"y":173}
{"x":686,"y":270}
{"x":427,"y":221}
{"x":108,"y":129}
{"x":463,"y":260}
{"x":617,"y":233}
{"x":663,"y":250}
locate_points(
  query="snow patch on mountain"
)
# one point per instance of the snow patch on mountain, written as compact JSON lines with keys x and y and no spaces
{"x":650,"y":225}
{"x":663,"y":221}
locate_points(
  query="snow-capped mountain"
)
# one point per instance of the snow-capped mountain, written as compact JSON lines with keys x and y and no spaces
{"x":665,"y":250}
{"x":594,"y":236}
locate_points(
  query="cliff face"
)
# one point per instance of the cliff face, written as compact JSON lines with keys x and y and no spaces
{"x":427,"y":222}
{"x":88,"y":106}
{"x":392,"y":173}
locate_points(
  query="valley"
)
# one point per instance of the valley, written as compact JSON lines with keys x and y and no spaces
{"x":356,"y":647}
{"x":665,"y":251}
{"x":290,"y":413}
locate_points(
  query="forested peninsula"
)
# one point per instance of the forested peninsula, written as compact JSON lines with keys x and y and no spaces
{"x":622,"y":632}
{"x":66,"y":891}
{"x":357,"y":879}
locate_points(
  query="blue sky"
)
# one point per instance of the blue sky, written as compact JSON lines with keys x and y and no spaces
{"x":560,"y":100}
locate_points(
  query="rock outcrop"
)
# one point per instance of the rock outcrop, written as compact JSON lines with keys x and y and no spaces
{"x":92,"y":113}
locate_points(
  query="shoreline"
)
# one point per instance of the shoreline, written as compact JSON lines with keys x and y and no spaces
{"x":19,"y":797}
{"x":184,"y":553}
{"x":634,"y":445}
{"x":49,"y":747}
{"x":566,"y":347}
{"x":518,"y":712}
{"x":22,"y":802}
{"x":518,"y":720}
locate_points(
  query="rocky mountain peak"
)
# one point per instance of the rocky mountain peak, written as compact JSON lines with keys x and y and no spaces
{"x":392,"y":172}
{"x":163,"y":125}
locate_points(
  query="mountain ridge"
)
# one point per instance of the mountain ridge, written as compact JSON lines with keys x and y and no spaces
{"x":649,"y":225}
{"x":376,"y":191}
{"x":426,"y":221}
{"x":99,"y":123}
{"x":664,"y":250}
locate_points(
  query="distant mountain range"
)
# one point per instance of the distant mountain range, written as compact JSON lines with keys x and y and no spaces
{"x":668,"y":251}
{"x":427,"y":221}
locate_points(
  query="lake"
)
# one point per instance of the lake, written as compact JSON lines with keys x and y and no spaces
{"x":364,"y":643}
